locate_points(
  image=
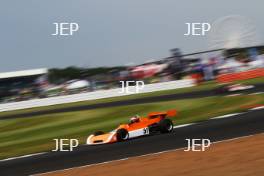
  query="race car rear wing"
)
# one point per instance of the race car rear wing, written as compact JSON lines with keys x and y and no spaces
{"x":169,"y":113}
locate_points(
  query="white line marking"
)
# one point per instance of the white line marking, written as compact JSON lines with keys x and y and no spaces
{"x":232,"y":95}
{"x":140,"y":156}
{"x":225,"y":116}
{"x":24,"y":156}
{"x":233,"y":139}
{"x":256,"y":93}
{"x":184,"y":125}
{"x":257,"y":108}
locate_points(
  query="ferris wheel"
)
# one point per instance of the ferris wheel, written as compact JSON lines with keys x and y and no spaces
{"x":233,"y":31}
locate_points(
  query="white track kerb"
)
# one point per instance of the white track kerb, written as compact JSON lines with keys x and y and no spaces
{"x":94,"y":95}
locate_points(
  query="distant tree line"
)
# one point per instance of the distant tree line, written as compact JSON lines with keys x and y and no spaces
{"x":57,"y":75}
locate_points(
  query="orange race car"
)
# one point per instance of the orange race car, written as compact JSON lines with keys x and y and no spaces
{"x":138,"y":126}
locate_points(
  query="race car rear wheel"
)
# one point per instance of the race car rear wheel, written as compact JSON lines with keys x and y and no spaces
{"x":166,"y":126}
{"x":121,"y":135}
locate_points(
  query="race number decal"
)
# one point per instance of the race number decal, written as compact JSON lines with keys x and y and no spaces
{"x":146,"y":131}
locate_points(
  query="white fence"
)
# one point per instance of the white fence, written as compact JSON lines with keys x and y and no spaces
{"x":94,"y":95}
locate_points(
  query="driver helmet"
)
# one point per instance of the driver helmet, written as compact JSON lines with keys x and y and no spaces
{"x":134,"y":119}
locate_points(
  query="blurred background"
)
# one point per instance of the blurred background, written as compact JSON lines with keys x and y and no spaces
{"x":139,"y":40}
{"x":42,"y":83}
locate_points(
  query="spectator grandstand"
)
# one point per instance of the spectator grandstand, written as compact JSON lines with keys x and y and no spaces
{"x":22,"y":85}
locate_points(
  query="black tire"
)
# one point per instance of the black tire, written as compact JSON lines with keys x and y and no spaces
{"x":97,"y":133}
{"x":154,"y":128}
{"x":121,"y":135}
{"x":166,"y":126}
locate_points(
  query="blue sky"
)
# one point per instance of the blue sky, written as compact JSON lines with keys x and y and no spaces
{"x":112,"y":32}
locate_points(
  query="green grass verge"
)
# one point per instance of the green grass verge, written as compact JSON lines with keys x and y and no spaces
{"x":204,"y":86}
{"x":36,"y":134}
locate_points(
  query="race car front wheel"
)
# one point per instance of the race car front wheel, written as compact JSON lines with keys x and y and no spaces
{"x":166,"y":126}
{"x":121,"y":135}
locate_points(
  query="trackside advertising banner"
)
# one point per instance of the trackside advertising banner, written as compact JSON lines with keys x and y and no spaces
{"x":231,"y":77}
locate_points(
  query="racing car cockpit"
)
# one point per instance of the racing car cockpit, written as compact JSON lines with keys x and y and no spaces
{"x":134,"y":119}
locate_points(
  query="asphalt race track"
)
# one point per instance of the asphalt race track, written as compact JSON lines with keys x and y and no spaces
{"x":178,"y":96}
{"x":250,"y":122}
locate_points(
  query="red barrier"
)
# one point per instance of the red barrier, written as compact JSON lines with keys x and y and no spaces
{"x":197,"y":77}
{"x":231,"y":77}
